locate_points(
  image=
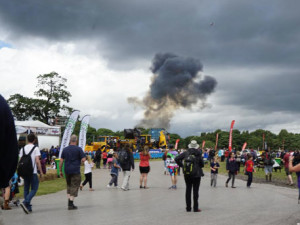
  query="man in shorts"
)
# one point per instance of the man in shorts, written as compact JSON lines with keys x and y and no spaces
{"x":72,"y":156}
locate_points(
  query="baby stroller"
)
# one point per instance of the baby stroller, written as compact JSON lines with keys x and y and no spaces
{"x":14,"y":189}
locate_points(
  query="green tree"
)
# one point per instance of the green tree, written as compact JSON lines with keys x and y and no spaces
{"x":49,"y":102}
{"x":105,"y":132}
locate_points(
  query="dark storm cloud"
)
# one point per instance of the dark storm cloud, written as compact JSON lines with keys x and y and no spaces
{"x":275,"y":92}
{"x":222,"y":34}
{"x":175,"y":84}
{"x":253,"y":32}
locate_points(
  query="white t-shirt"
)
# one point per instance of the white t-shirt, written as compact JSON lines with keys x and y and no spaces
{"x":36,"y":152}
{"x":88,"y":167}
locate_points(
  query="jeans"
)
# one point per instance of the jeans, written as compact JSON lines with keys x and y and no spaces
{"x":114,"y":180}
{"x":249,"y":181}
{"x":231,"y":174}
{"x":213,"y":179}
{"x":33,"y":184}
{"x":192,"y":183}
{"x":125,"y":184}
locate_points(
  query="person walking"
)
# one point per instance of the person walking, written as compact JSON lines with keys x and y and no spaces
{"x":193,"y":179}
{"x":249,"y":169}
{"x":72,"y":156}
{"x":31,"y":182}
{"x":144,"y":166}
{"x":114,"y":172}
{"x":232,"y":168}
{"x":88,"y":166}
{"x":127,"y":164}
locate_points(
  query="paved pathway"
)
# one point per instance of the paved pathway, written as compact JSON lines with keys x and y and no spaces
{"x":262,"y":204}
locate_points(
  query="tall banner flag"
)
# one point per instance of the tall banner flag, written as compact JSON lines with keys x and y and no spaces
{"x":244,"y":146}
{"x":176,"y":144}
{"x":68,"y":131}
{"x":203,"y":144}
{"x":263,"y":147}
{"x":230,"y":136}
{"x":217,"y":139}
{"x":83,"y":129}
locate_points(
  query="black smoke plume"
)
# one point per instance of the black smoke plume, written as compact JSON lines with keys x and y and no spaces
{"x":176,"y":83}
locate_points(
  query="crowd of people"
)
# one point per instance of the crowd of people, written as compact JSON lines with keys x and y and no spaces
{"x":190,"y":161}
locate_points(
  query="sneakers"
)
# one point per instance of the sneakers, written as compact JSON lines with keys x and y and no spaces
{"x":109,"y":186}
{"x":226,"y":185}
{"x":24,"y":207}
{"x":173,"y":187}
{"x":197,"y":210}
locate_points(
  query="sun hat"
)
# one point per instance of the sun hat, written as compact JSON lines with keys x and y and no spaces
{"x":193,"y":144}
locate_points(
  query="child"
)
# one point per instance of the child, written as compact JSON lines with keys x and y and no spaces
{"x":114,"y":171}
{"x":173,"y":169}
{"x":88,"y":165}
{"x":214,"y":167}
{"x":231,"y":167}
{"x":249,"y":169}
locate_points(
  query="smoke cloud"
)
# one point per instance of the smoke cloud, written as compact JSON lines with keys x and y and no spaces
{"x":176,"y":83}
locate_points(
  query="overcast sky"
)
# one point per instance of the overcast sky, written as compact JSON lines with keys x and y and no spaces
{"x":105,"y":50}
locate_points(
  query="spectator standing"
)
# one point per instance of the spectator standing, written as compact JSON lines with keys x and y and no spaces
{"x":268,"y":164}
{"x":88,"y":166}
{"x":214,"y":168}
{"x":231,"y":167}
{"x":286,"y":167}
{"x":192,"y":182}
{"x":72,"y":156}
{"x":127,"y":164}
{"x":144,"y":166}
{"x":295,"y":167}
{"x":97,"y":159}
{"x":172,"y":167}
{"x":110,"y":158}
{"x":104,"y":157}
{"x":249,"y":169}
{"x":31,"y":182}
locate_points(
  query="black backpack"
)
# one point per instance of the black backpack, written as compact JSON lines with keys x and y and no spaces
{"x":25,"y":168}
{"x":123,"y":157}
{"x":190,"y":165}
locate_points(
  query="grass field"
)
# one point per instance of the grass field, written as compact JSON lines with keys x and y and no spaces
{"x":278,"y":178}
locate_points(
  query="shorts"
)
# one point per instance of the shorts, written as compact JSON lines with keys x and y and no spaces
{"x":144,"y":169}
{"x":73,"y":183}
{"x":173,"y":171}
{"x":268,"y":169}
{"x":287,"y":171}
{"x":109,"y":160}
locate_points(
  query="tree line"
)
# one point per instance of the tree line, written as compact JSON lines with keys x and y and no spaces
{"x":52,"y":95}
